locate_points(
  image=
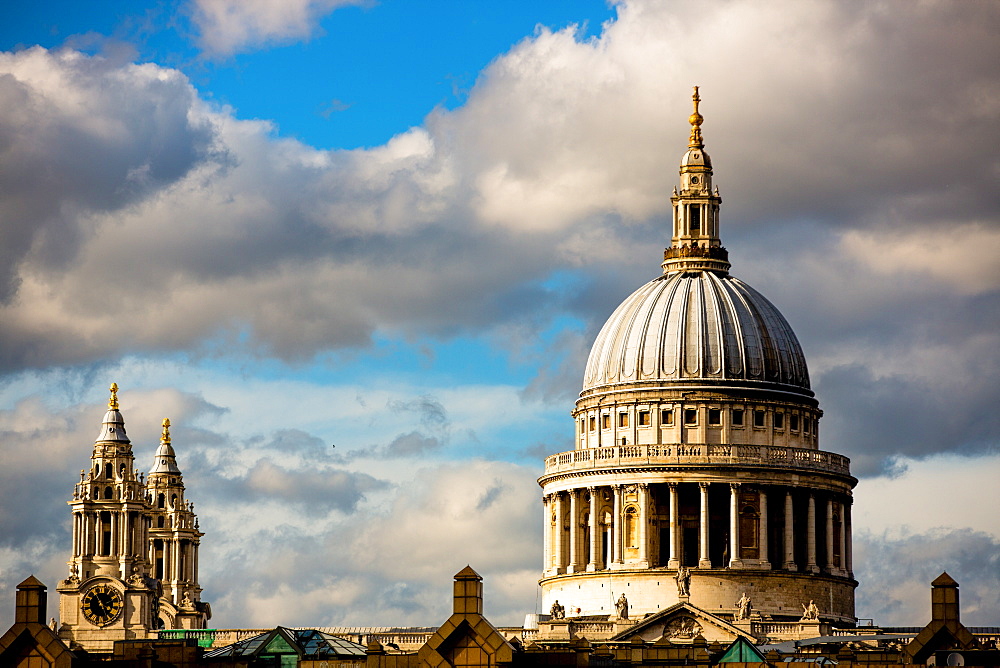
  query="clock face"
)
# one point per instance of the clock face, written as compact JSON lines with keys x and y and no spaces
{"x":101,"y":604}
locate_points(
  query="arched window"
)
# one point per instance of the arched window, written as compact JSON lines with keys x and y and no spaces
{"x":631,"y":527}
{"x":159,"y":522}
{"x":107,"y":472}
{"x":160,"y":501}
{"x":108,"y":493}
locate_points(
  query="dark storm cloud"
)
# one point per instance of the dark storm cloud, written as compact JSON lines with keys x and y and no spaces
{"x":872,"y":420}
{"x":116,"y":141}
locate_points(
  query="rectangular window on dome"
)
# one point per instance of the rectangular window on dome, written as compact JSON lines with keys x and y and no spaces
{"x":793,"y":421}
{"x":805,"y":424}
{"x":695,"y":217}
{"x":815,"y":427}
{"x":690,"y":416}
{"x":759,"y":419}
{"x":737,"y":417}
{"x":605,"y":421}
{"x":779,"y":420}
{"x":593,"y":423}
{"x":644,"y":419}
{"x":667,"y":417}
{"x":623,"y":419}
{"x":714,"y":417}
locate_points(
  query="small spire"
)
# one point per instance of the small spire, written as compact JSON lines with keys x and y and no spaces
{"x":113,"y":401}
{"x":696,"y":120}
{"x":165,"y":436}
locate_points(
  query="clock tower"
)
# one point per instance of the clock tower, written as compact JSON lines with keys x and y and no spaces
{"x":110,"y":593}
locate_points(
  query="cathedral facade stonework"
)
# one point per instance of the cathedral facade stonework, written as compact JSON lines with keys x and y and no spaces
{"x":696,"y":474}
{"x":133,"y":568}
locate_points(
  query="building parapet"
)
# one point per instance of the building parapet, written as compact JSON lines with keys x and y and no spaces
{"x":699,"y":454}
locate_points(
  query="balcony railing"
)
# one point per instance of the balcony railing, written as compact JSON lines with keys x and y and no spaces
{"x":699,"y":454}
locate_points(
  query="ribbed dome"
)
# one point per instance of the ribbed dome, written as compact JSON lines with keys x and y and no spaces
{"x":113,"y":428}
{"x":697,"y":326}
{"x":696,"y":157}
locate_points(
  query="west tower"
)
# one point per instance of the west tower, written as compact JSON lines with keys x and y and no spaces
{"x":110,"y":593}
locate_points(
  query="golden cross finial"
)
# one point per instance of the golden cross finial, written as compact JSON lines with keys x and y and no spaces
{"x":165,"y":437}
{"x":696,"y":120}
{"x":113,"y":401}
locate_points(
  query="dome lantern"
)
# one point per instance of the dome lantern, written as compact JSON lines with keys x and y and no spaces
{"x":695,"y":244}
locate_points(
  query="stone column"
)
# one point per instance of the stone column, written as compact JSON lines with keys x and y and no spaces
{"x":175,"y":558}
{"x":560,"y":543}
{"x":811,"y":565}
{"x":675,"y":528}
{"x":546,"y":534}
{"x":703,"y":559}
{"x":643,"y":525}
{"x":842,"y":566}
{"x":595,"y":531}
{"x":76,"y":534}
{"x":765,"y":560}
{"x":115,"y":530}
{"x":734,"y":526}
{"x":789,"y":564}
{"x":830,"y":566}
{"x":849,"y":548}
{"x":616,"y":529}
{"x":574,"y":531}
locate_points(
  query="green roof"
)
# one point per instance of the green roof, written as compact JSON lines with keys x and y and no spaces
{"x":305,"y":643}
{"x":741,"y":651}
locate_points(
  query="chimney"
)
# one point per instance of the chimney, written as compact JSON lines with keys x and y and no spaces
{"x":944,"y":599}
{"x":30,"y":602}
{"x":468,"y":592}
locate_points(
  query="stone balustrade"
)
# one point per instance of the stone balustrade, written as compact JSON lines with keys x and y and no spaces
{"x":699,"y":454}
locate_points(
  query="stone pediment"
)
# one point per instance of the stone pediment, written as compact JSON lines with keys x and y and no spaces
{"x":682,"y":623}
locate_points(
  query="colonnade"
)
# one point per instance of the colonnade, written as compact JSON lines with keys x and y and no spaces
{"x":179,"y":560}
{"x":127,"y":530}
{"x":643,"y":525}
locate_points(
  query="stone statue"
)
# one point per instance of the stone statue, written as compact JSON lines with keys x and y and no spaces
{"x":743,"y":607}
{"x":186,"y":601}
{"x":810,"y":613}
{"x":557,"y":611}
{"x":52,"y":624}
{"x":621,"y":607}
{"x":683,"y":578}
{"x":136,"y":579}
{"x":682,"y":628}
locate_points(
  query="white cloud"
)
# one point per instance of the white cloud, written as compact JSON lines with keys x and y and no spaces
{"x":966,"y":495}
{"x":961,"y":256}
{"x":137,"y":219}
{"x":565,"y":150}
{"x":229,"y":26}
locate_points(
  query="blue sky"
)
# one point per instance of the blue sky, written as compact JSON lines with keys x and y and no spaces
{"x":395,"y":228}
{"x":364,"y":73}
